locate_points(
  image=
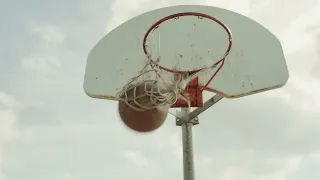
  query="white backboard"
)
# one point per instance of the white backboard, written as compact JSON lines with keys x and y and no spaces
{"x":256,"y":62}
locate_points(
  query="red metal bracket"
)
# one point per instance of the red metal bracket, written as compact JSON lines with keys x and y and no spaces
{"x":195,"y":95}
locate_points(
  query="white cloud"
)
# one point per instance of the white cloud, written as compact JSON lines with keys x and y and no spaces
{"x":301,"y":92}
{"x":300,"y":44}
{"x":45,"y":55}
{"x":134,"y":8}
{"x":7,"y":127}
{"x":315,"y":155}
{"x":49,"y":33}
{"x":136,"y":158}
{"x":8,"y":118}
{"x":67,"y":176}
{"x":283,"y":167}
{"x":299,"y":34}
{"x":41,"y":64}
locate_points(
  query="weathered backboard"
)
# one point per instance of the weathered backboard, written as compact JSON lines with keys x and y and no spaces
{"x":256,"y":62}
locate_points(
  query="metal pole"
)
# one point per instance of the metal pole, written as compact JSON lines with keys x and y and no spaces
{"x":187,"y":119}
{"x":188,"y":163}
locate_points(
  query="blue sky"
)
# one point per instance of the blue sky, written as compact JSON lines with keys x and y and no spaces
{"x":50,"y":130}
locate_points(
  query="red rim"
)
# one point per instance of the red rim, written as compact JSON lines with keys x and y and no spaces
{"x":189,"y":14}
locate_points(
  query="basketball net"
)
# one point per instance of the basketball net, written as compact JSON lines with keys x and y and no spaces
{"x":149,"y":89}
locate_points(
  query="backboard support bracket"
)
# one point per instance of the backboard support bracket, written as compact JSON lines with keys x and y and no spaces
{"x":194,"y":93}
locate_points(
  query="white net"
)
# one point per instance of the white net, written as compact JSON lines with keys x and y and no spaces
{"x":150,"y":89}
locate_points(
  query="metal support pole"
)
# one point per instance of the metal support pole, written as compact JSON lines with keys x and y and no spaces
{"x":187,"y":119}
{"x":188,"y":163}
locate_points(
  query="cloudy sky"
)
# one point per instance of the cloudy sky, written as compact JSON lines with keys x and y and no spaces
{"x":50,"y":130}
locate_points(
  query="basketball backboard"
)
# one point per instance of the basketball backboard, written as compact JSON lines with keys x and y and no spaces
{"x":255,"y":63}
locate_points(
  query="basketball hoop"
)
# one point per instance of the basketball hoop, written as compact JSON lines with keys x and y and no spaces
{"x":175,"y":16}
{"x":200,"y":16}
{"x":159,"y":91}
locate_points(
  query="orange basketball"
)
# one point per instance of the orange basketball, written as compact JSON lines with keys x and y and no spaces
{"x":142,"y":121}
